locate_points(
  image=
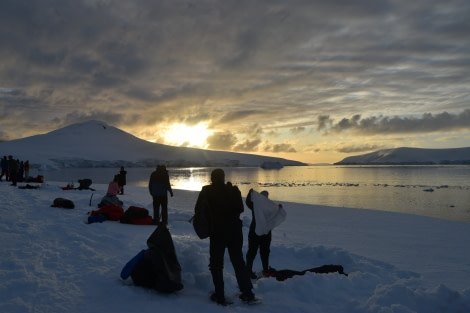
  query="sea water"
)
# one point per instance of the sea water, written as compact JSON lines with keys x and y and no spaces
{"x":437,"y":191}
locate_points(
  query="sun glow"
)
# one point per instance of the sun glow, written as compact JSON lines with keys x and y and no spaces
{"x":184,"y":135}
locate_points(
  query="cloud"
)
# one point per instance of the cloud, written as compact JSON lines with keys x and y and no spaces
{"x":324,"y":122}
{"x":359,"y":148}
{"x":301,"y":68}
{"x":282,"y":147}
{"x":237,"y":115}
{"x":298,"y":130}
{"x":3,"y":137}
{"x":427,"y":123}
{"x":76,"y":117}
{"x":248,"y":145}
{"x":221,"y":141}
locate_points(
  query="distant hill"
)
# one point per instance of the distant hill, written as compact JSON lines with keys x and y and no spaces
{"x":97,"y":144}
{"x":411,"y":156}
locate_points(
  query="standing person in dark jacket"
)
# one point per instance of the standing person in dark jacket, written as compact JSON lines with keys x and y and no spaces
{"x":159,"y":186}
{"x":255,"y":241}
{"x":225,"y":204}
{"x":13,"y":170}
{"x":27,"y":168}
{"x":122,"y":179}
{"x":4,"y":165}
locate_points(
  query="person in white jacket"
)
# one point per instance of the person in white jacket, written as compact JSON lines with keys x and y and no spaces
{"x":258,"y":241}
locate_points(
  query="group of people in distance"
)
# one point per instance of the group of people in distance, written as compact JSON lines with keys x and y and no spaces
{"x":115,"y":187}
{"x":225,"y":205}
{"x":14,"y":170}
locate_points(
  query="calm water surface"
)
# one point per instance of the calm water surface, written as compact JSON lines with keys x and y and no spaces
{"x":437,"y":191}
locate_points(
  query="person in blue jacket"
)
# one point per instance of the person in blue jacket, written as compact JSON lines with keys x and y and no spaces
{"x":159,"y":186}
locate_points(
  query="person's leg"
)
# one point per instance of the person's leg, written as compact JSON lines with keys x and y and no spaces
{"x":14,"y":178}
{"x":252,"y":250}
{"x":164,"y":203}
{"x":265,"y":243}
{"x":156,"y":209}
{"x":235,"y":250}
{"x":216,"y":266}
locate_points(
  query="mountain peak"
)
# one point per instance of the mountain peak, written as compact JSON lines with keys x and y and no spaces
{"x":94,"y":143}
{"x":407,"y":155}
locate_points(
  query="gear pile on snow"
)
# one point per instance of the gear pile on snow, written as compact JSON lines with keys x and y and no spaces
{"x":157,"y":267}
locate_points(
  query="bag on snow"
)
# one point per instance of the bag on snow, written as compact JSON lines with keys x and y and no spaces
{"x":63,"y":203}
{"x":282,"y":275}
{"x":97,"y":218}
{"x":111,"y":211}
{"x":158,"y":266}
{"x":129,"y":267}
{"x":136,"y":215}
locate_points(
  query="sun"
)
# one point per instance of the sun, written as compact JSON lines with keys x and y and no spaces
{"x":184,"y":135}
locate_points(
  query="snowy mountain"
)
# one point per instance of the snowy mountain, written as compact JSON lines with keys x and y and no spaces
{"x":411,"y":156}
{"x":97,"y":144}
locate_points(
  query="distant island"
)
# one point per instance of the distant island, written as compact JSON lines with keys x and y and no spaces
{"x":271,"y":165}
{"x":410,"y":156}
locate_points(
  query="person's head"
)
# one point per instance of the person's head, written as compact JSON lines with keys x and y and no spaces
{"x":218,"y":176}
{"x":265,"y":193}
{"x":116,"y":178}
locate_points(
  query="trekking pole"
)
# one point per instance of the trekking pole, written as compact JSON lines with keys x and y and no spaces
{"x":91,"y":198}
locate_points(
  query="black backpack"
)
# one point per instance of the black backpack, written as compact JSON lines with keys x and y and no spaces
{"x":201,"y":218}
{"x":135,"y":215}
{"x":63,"y":203}
{"x":158,"y":267}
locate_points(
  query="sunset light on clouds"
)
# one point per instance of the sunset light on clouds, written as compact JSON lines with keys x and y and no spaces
{"x":184,"y":135}
{"x":313,"y":81}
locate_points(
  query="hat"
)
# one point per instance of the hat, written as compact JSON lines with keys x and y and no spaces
{"x":265,"y":193}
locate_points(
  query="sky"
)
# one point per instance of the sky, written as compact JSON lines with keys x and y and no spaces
{"x":313,"y":81}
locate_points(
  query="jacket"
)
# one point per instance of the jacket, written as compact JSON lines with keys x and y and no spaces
{"x":225,"y":206}
{"x":159,"y":184}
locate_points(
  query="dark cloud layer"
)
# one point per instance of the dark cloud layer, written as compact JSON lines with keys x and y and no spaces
{"x":313,"y":69}
{"x":426,"y":123}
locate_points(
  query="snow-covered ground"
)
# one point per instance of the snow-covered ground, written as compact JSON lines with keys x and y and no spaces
{"x":52,"y":261}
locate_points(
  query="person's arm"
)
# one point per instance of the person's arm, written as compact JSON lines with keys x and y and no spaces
{"x":168,"y":187}
{"x":248,"y":201}
{"x":150,"y":184}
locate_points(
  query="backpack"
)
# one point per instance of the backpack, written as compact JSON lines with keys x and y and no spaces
{"x":158,"y":266}
{"x":63,"y":203}
{"x":200,"y":219}
{"x":136,"y":215}
{"x":110,"y":211}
